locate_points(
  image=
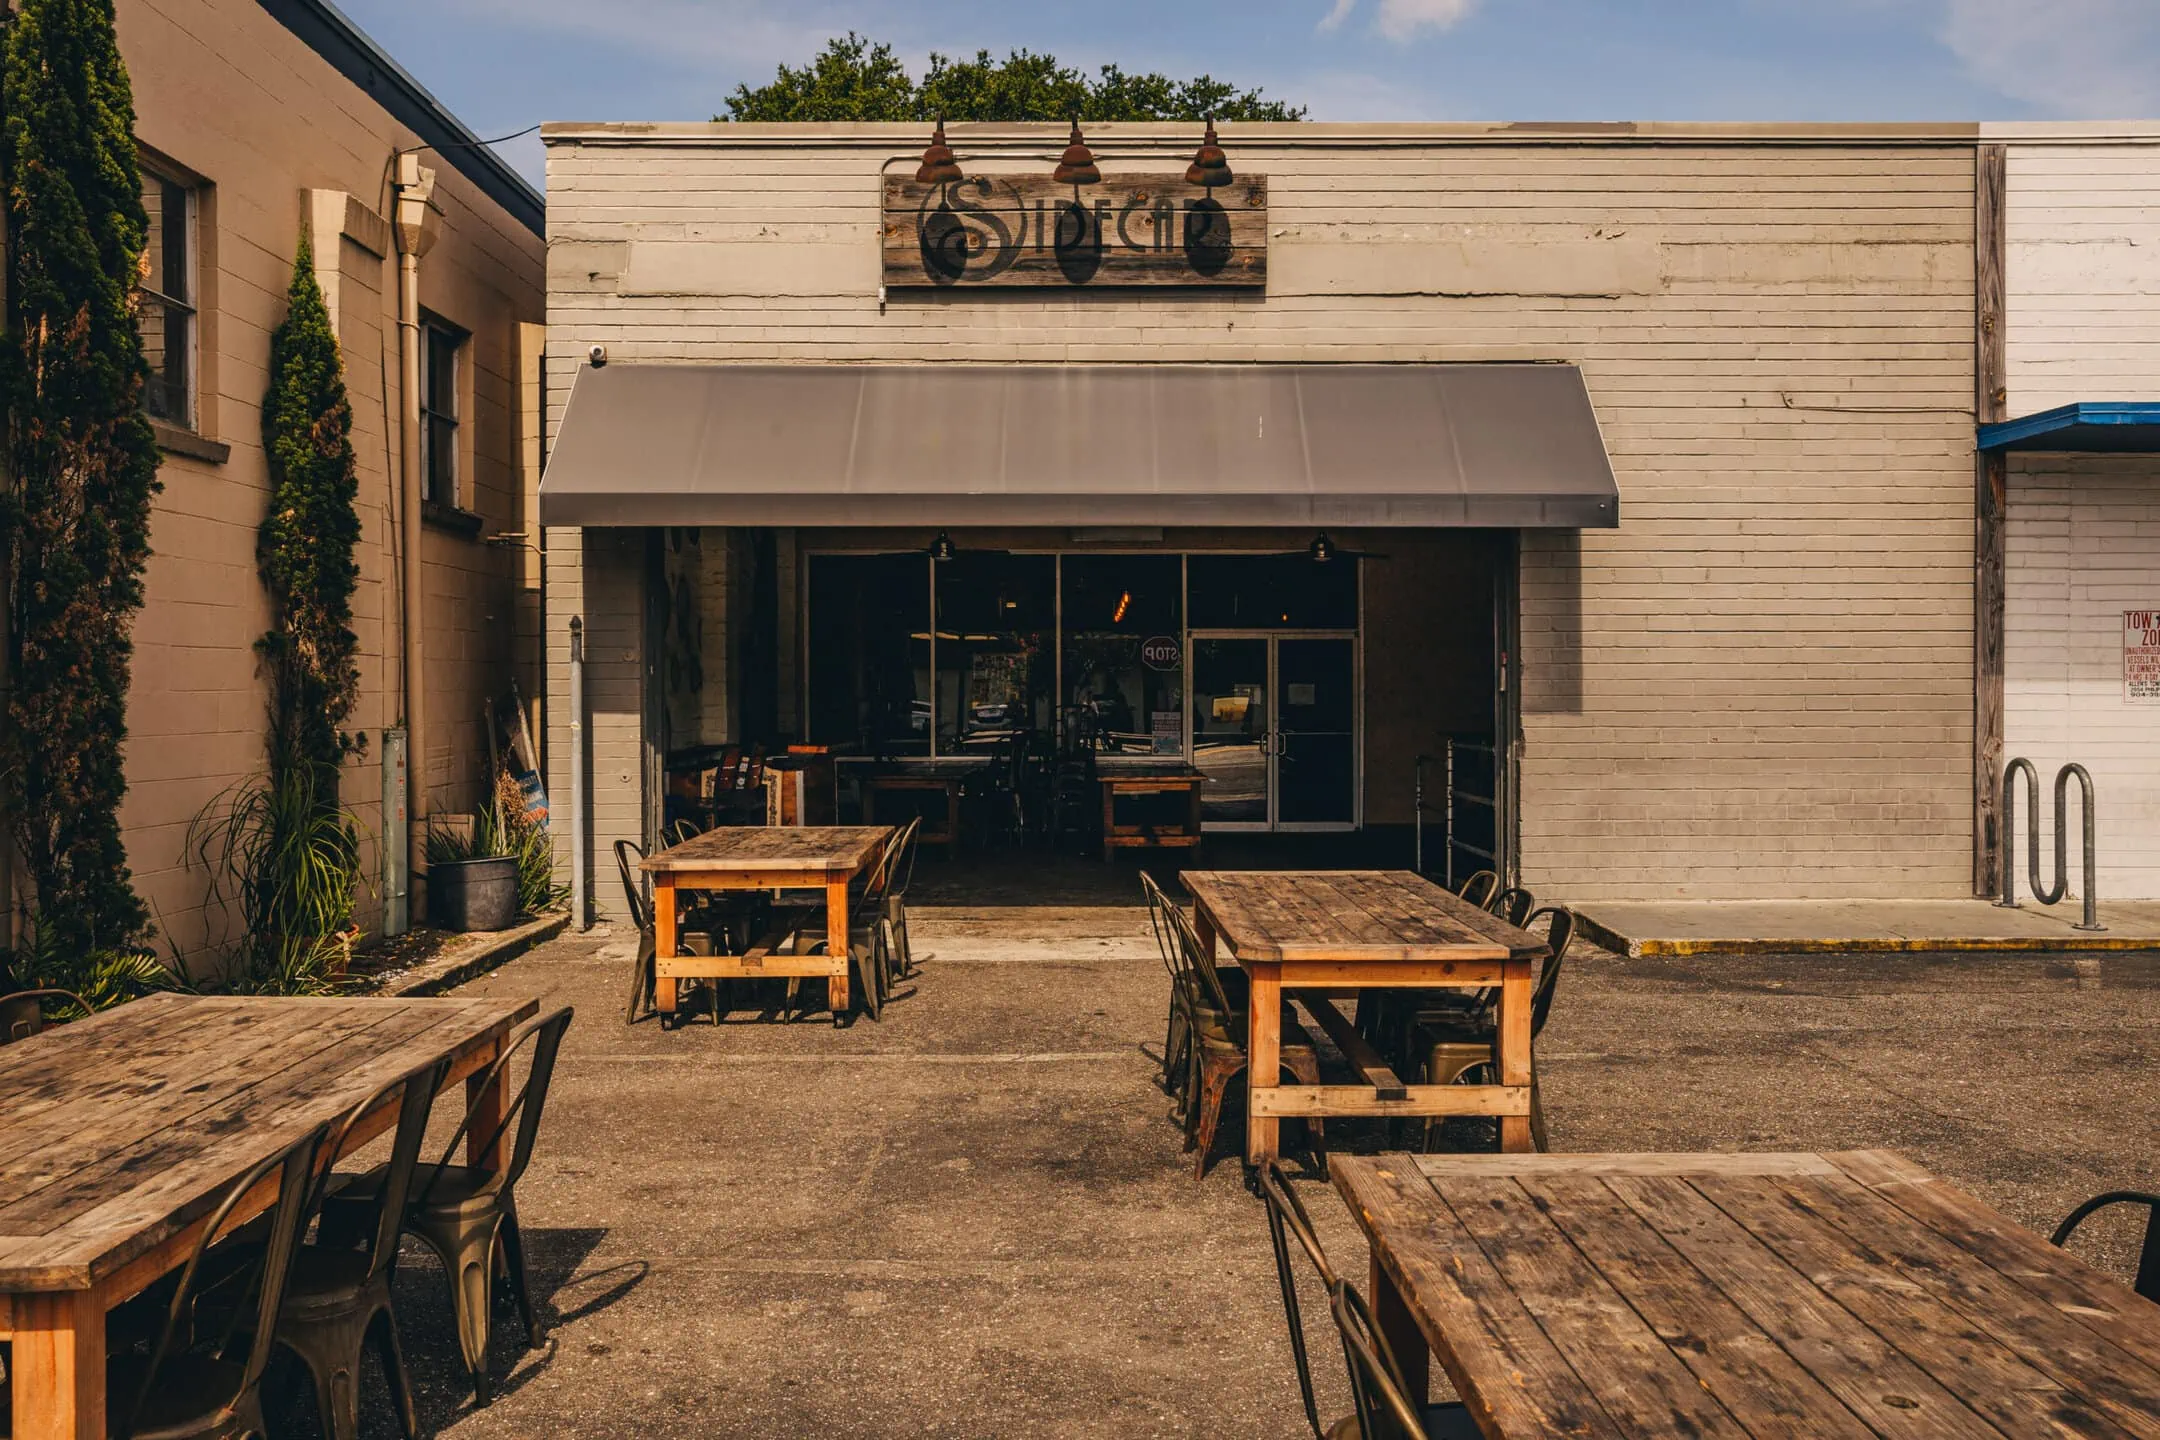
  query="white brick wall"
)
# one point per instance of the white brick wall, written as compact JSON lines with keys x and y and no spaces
{"x":2083,"y":545}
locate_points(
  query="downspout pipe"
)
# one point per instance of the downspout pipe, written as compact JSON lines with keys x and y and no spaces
{"x":416,"y":232}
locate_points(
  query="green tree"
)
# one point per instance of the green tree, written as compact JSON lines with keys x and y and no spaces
{"x":856,"y":79}
{"x":75,"y":522}
{"x":305,"y":549}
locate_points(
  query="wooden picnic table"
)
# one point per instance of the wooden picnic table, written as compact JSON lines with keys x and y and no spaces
{"x":1336,"y":931}
{"x":120,"y":1134}
{"x":1120,"y":783}
{"x":1845,"y":1294}
{"x":757,"y":857}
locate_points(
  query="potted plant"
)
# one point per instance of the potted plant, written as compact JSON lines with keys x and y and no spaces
{"x":472,"y":875}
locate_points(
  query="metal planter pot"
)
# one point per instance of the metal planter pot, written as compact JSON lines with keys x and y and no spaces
{"x":473,"y":894}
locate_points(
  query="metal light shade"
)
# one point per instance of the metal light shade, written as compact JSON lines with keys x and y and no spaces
{"x":1210,"y":167}
{"x":1322,"y":549}
{"x":939,"y":165}
{"x":942,"y":548}
{"x":1077,"y":165}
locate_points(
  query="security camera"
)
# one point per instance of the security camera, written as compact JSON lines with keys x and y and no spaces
{"x":598,"y":356}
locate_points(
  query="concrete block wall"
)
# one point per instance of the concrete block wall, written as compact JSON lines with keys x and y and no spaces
{"x":284,"y":143}
{"x":1761,"y":684}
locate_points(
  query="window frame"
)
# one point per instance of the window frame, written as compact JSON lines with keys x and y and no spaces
{"x":190,"y":188}
{"x":432,"y":328}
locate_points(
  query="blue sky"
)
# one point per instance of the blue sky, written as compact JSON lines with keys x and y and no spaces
{"x":505,"y":64}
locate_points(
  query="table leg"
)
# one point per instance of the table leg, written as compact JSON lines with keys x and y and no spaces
{"x":952,"y":818}
{"x":1109,"y":817}
{"x":664,"y":939}
{"x":484,"y":1102}
{"x":836,"y":944}
{"x":1400,"y":1328}
{"x":1515,"y":1049}
{"x":57,"y":1368}
{"x":1263,"y":1033}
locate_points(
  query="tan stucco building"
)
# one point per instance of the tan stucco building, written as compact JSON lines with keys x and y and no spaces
{"x":1758,"y":683}
{"x":261,"y":122}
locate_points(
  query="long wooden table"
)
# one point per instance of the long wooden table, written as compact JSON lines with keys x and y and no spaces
{"x":120,"y":1134}
{"x":1332,"y":931}
{"x":1847,"y":1294}
{"x":792,"y":857}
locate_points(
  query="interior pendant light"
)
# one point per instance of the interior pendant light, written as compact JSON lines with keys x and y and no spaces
{"x":939,"y":165}
{"x":942,"y":548}
{"x":1210,"y":167}
{"x":1322,"y":549}
{"x":1077,"y":165}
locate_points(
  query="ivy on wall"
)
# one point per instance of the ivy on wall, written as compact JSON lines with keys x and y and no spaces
{"x":75,"y":520}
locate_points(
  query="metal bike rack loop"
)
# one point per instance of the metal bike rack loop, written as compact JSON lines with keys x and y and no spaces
{"x":2047,"y":895}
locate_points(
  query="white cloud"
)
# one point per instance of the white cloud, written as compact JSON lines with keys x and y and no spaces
{"x":2083,"y":59}
{"x":1403,"y":19}
{"x":740,"y":33}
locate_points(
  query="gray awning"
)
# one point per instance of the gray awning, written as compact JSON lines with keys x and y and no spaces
{"x":960,"y":444}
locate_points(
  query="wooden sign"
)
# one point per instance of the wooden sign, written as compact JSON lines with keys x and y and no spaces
{"x":1030,"y":230}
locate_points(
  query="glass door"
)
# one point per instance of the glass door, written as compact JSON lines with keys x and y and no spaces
{"x":1315,"y":733}
{"x":1274,"y":729}
{"x":1232,"y":736}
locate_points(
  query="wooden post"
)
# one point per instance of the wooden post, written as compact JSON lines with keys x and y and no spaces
{"x":664,"y":939}
{"x":1990,"y":403}
{"x":484,"y":1099}
{"x":1515,"y":991}
{"x":1263,"y":1032}
{"x":836,"y":945}
{"x":58,"y":1366}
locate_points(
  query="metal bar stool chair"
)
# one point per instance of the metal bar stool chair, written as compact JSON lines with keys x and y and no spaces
{"x":1450,"y":1044}
{"x":22,"y":1014}
{"x":2147,"y":1283}
{"x":1384,"y":1410}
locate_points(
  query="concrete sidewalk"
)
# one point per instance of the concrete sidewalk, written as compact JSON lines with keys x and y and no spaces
{"x":1760,"y":927}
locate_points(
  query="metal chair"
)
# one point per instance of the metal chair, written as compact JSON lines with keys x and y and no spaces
{"x":1382,"y":1396}
{"x":468,"y":1216}
{"x":2147,"y":1283}
{"x":1479,"y":888}
{"x":194,"y":1391}
{"x":336,"y":1293}
{"x":22,"y":1014}
{"x":1286,"y":1218}
{"x":1449,"y":1044}
{"x":643,"y":971}
{"x":1218,"y":1045}
{"x":1177,"y":1035}
{"x":1513,"y":905}
{"x":896,"y":886}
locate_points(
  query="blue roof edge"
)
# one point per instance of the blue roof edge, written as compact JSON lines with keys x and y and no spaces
{"x":2004,"y":433}
{"x":329,"y":33}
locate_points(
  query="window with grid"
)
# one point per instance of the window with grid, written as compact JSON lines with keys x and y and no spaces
{"x":166,"y":313}
{"x":439,"y":351}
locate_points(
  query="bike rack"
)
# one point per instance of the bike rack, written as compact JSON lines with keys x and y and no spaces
{"x":2044,"y":894}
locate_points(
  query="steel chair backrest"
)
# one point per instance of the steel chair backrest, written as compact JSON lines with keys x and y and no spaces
{"x":1166,"y":939}
{"x":627,"y":852}
{"x":878,"y":879}
{"x":903,"y":866}
{"x":1199,"y":963}
{"x":294,"y":1167}
{"x":680,"y":831}
{"x":1513,"y":905}
{"x":1479,"y":887}
{"x":546,"y":1035}
{"x":418,"y":1100}
{"x":2147,"y":1283}
{"x":1286,"y":1217}
{"x":1558,"y":934}
{"x":22,"y":1014}
{"x":1384,"y":1410}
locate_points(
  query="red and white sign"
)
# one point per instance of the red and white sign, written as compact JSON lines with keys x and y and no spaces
{"x":2141,"y":657}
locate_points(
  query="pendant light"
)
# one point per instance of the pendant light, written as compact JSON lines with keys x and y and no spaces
{"x":942,"y":548}
{"x":1076,"y":166}
{"x":1210,"y":167}
{"x":939,"y":165}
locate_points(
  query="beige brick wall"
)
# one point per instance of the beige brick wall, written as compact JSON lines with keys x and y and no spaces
{"x":1761,"y":683}
{"x":224,"y":90}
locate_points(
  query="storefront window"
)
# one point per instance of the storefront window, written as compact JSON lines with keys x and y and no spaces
{"x":996,"y":622}
{"x":1124,"y":656}
{"x":869,"y":661}
{"x":1273,"y":592}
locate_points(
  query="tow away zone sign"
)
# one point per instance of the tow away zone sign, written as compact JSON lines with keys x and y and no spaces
{"x":2141,"y":657}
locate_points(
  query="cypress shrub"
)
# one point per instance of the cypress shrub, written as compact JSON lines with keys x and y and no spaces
{"x":83,"y":465}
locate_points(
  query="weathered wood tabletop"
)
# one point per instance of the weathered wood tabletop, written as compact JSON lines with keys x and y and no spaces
{"x":1323,"y":930}
{"x":1844,"y":1294}
{"x":761,"y":857}
{"x":119,"y":1134}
